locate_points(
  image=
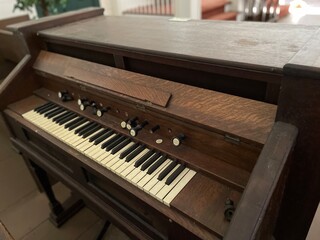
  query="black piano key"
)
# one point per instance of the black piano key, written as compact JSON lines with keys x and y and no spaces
{"x":115,"y":143}
{"x":97,"y":135}
{"x":150,"y":161}
{"x":129,"y":150}
{"x":157,"y":164}
{"x":83,"y":127}
{"x":51,"y":110}
{"x":175,"y":174}
{"x":91,"y":131}
{"x":135,"y":153}
{"x":168,"y":169}
{"x":74,"y":121}
{"x":143,"y":158}
{"x":120,"y":146}
{"x":87,"y":128}
{"x":77,"y":123}
{"x":46,"y":109}
{"x":58,"y":118}
{"x":111,"y":140}
{"x":103,"y":137}
{"x":67,"y":119}
{"x":37,"y":109}
{"x":55,"y":113}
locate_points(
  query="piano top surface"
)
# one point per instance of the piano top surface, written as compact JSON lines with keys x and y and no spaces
{"x":241,"y":44}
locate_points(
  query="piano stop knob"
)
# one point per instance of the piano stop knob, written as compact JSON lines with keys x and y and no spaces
{"x":101,"y":111}
{"x":229,"y":209}
{"x":123,"y":124}
{"x":82,"y":100}
{"x":66,"y":97}
{"x":176,"y":141}
{"x":62,"y":93}
{"x":155,"y":128}
{"x":131,"y":123}
{"x":84,"y":105}
{"x":134,"y":131}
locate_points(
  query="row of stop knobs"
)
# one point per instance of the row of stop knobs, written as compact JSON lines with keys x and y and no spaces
{"x":131,"y":124}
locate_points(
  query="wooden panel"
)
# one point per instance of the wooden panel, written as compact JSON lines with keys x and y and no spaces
{"x":4,"y":234}
{"x":299,"y":105}
{"x":18,"y":84}
{"x":12,"y":46}
{"x":243,"y":44}
{"x":203,"y":200}
{"x":29,"y":28}
{"x":262,"y":184}
{"x":146,"y":94}
{"x":12,"y":20}
{"x":248,"y":119}
{"x":309,"y":56}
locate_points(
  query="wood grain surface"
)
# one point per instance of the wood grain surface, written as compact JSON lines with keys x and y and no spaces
{"x":240,"y":44}
{"x":248,"y":119}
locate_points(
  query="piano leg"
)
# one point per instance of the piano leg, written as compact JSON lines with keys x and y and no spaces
{"x":103,"y":230}
{"x":60,"y":213}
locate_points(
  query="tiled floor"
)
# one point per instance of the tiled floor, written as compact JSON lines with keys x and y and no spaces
{"x":24,"y":211}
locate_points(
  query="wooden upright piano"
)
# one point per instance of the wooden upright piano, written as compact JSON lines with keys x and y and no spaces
{"x":169,"y":130}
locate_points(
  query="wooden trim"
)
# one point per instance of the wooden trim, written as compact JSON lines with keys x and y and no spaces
{"x":262,"y":183}
{"x":12,"y":20}
{"x":18,"y":84}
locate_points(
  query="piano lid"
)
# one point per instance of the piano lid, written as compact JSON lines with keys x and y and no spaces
{"x":241,"y":44}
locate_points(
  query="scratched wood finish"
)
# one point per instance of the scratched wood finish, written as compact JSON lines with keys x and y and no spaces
{"x":250,"y":120}
{"x":250,"y":47}
{"x":309,"y":56}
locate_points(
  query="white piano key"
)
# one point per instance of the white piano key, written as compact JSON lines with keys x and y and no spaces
{"x":127,"y":167}
{"x":153,"y":181}
{"x":85,"y":145}
{"x":160,"y":184}
{"x":167,"y":188}
{"x":143,"y":181}
{"x":119,"y":162}
{"x":180,"y":185}
{"x":116,"y":158}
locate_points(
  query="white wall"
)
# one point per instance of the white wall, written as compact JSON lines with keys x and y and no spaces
{"x":6,"y":9}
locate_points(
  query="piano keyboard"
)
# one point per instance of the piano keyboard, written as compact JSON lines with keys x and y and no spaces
{"x":149,"y":170}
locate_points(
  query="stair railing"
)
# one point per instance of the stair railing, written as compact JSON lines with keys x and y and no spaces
{"x":261,"y":10}
{"x":151,"y":7}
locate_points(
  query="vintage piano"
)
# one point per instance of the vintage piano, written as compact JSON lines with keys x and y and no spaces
{"x":101,"y":105}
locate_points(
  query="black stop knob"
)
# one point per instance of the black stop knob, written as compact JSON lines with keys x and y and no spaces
{"x":82,"y":100}
{"x":84,"y":105}
{"x":62,"y":93}
{"x":134,"y":131}
{"x":101,"y":111}
{"x":131,"y":123}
